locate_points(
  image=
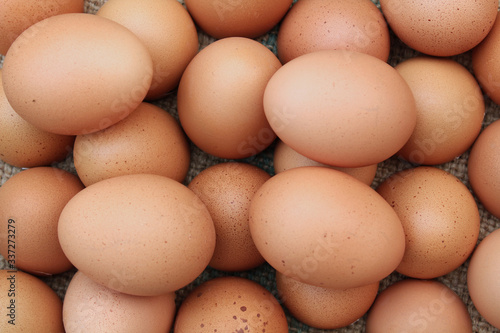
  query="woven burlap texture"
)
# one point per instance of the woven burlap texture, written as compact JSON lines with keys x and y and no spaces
{"x":264,"y":275}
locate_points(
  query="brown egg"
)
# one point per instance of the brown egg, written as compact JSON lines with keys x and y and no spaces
{"x":28,"y":304}
{"x":227,"y":190}
{"x":91,"y":307}
{"x":219,"y":99}
{"x":32,"y":201}
{"x":139,"y":234}
{"x":482,"y":278}
{"x":25,"y":146}
{"x":325,"y":228}
{"x":230,"y":304}
{"x":225,"y":18}
{"x":286,"y":158}
{"x":443,"y":28}
{"x":325,"y":308}
{"x":68,"y":74}
{"x":149,"y":140}
{"x":313,"y":25}
{"x":439,"y":216}
{"x":167,"y":30}
{"x":340,"y":107}
{"x":450,"y":109}
{"x":18,"y":15}
{"x":484,"y":168}
{"x":418,"y":306}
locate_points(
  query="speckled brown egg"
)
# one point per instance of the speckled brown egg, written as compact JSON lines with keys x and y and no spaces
{"x":418,"y":306}
{"x":18,"y":15}
{"x":325,"y":308}
{"x":439,"y":216}
{"x":167,"y":30}
{"x":150,"y":140}
{"x":32,"y":201}
{"x":24,"y":145}
{"x":484,"y":168}
{"x":440,"y":28}
{"x":91,"y":307}
{"x":28,"y":304}
{"x":313,"y":25}
{"x":230,"y":304}
{"x":450,"y":109}
{"x":285,"y":158}
{"x":227,"y":190}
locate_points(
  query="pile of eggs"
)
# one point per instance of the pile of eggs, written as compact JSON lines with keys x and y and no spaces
{"x":260,"y":166}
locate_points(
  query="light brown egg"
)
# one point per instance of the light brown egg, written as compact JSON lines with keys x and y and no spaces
{"x":91,"y":307}
{"x":443,"y":28}
{"x":79,"y":73}
{"x":230,"y":304}
{"x":167,"y":30}
{"x":285,"y":158}
{"x":139,"y":234}
{"x":227,"y":190}
{"x":149,"y":140}
{"x":325,"y":308}
{"x":313,"y":25}
{"x":28,"y":304}
{"x":482,"y":278}
{"x":219,"y":99}
{"x":18,"y":15}
{"x":325,"y":228}
{"x":227,"y":18}
{"x":340,"y":107}
{"x":32,"y":201}
{"x":25,"y":146}
{"x":450,"y":109}
{"x":418,"y":306}
{"x":439,"y":216}
{"x":484,"y":168}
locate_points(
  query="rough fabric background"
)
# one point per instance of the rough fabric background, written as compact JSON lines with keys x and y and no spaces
{"x":264,"y":275}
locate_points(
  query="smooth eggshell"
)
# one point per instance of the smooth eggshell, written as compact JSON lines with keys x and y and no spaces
{"x":230,"y":304}
{"x":440,"y":218}
{"x":341,"y":108}
{"x":139,"y":234}
{"x":76,"y":73}
{"x":91,"y":307}
{"x":325,"y":228}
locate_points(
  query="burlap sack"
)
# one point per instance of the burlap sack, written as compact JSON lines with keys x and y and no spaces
{"x":264,"y":275}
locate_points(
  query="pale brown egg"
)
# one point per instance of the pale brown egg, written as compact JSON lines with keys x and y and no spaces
{"x":78,"y":73}
{"x":285,"y":158}
{"x":32,"y":201}
{"x":450,"y":109}
{"x":484,"y":168}
{"x":482,"y":278}
{"x":440,"y":28}
{"x":24,"y":145}
{"x":313,"y":25}
{"x":418,"y":306}
{"x":325,"y":228}
{"x":139,"y":234}
{"x":439,"y":216}
{"x":227,"y":190}
{"x":91,"y":307}
{"x":325,"y":308}
{"x":227,"y":18}
{"x":167,"y":30}
{"x":28,"y":304}
{"x":230,"y":304}
{"x":219,"y":98}
{"x":149,"y":140}
{"x":339,"y":107}
{"x":18,"y":15}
